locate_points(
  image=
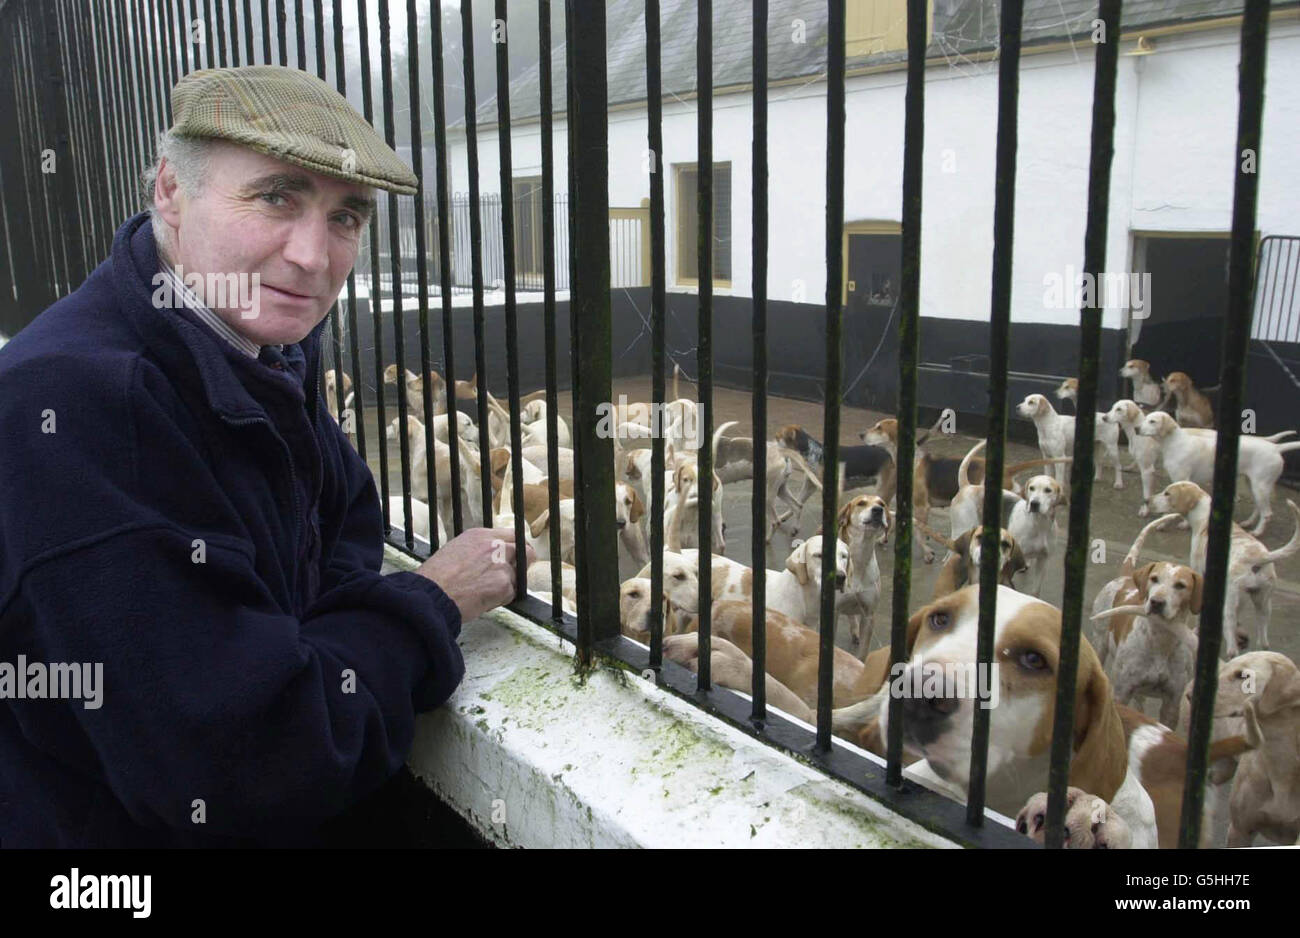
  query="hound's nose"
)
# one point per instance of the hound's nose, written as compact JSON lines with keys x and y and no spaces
{"x":925,"y":717}
{"x":1034,"y":507}
{"x":621,"y":525}
{"x":839,"y":581}
{"x":1157,"y":606}
{"x":877,"y":512}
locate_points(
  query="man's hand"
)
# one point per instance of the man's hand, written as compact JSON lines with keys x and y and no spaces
{"x":476,"y":569}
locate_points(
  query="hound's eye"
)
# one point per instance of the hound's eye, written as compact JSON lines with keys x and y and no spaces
{"x":1154,"y":578}
{"x":939,"y":620}
{"x":1033,"y":661}
{"x":635,"y":594}
{"x":1180,"y":586}
{"x":679,"y":575}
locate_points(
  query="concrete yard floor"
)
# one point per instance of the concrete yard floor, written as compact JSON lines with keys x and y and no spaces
{"x":1113,"y":517}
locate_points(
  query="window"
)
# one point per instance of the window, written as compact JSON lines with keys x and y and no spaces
{"x":528,"y":231}
{"x":874,"y":26}
{"x":688,"y":224}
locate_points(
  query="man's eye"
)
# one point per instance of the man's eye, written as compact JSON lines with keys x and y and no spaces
{"x":271,"y":197}
{"x":350,"y":221}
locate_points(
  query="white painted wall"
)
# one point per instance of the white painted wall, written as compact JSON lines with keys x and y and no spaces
{"x":1176,"y":118}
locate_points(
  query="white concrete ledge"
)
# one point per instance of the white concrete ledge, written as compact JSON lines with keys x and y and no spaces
{"x":533,"y":757}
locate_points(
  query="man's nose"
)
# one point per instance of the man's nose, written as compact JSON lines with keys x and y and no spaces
{"x":307,"y":245}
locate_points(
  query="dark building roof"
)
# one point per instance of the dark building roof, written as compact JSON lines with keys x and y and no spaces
{"x":960,"y":28}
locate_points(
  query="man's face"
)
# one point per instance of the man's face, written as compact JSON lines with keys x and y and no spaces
{"x":296,"y":230}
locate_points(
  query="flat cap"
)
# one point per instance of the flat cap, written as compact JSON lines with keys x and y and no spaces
{"x":291,"y":115}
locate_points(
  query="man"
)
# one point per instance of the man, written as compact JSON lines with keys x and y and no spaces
{"x":196,"y":644}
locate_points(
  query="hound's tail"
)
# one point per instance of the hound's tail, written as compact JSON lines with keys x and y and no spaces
{"x":800,"y":463}
{"x":1130,"y":559}
{"x":935,"y":535}
{"x":1287,"y":447}
{"x":963,"y":479}
{"x":1291,"y":546}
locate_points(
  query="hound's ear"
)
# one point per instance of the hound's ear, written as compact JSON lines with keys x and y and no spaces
{"x":500,"y":459}
{"x":540,"y":523}
{"x":677,"y":478}
{"x":1142,"y":576}
{"x":347,"y":381}
{"x":1282,"y":692}
{"x":842,"y":519}
{"x":1018,"y":564}
{"x":1100,"y":758}
{"x":637,"y":511}
{"x":1198,"y":590}
{"x":914,"y":628}
{"x":797,"y":563}
{"x":962,"y":544}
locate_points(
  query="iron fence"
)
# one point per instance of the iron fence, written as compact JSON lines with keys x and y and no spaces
{"x":67,"y":61}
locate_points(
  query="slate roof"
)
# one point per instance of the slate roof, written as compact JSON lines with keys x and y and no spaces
{"x":961,"y":27}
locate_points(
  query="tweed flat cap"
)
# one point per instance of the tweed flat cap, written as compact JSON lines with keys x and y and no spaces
{"x":291,"y":115}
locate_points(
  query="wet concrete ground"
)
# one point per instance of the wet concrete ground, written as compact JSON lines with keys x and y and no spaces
{"x":1113,"y":516}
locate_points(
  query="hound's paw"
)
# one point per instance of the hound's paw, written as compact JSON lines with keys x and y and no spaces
{"x":1119,"y":485}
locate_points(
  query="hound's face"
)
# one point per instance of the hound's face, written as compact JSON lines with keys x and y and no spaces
{"x":864,"y":514}
{"x":1169,"y":591}
{"x":331,"y":382}
{"x":1243,"y":678}
{"x":1157,"y":425}
{"x":805,"y":562}
{"x":1181,"y":497}
{"x":1123,"y":413}
{"x":1032,"y":406}
{"x":1069,"y":390}
{"x":634,"y":606}
{"x":414,"y":429}
{"x":882,"y":433}
{"x":1043,"y":494}
{"x":533,"y":411}
{"x":627,"y":506}
{"x":788,"y":436}
{"x":1007,"y":549}
{"x":941,"y":689}
{"x":681,"y":582}
{"x":1135,"y":368}
{"x":1176,"y":382}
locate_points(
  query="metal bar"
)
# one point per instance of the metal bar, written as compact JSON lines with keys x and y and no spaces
{"x":169,"y":42}
{"x":221,"y":32}
{"x":547,"y":142}
{"x":318,"y":24}
{"x":835,"y":38}
{"x":395,"y":271}
{"x":658,"y":301}
{"x":548,"y":299}
{"x":476,"y":257}
{"x":908,"y":353}
{"x":421,"y":261}
{"x":512,"y":325}
{"x":300,"y":36}
{"x":1004,"y":215}
{"x":444,"y":254}
{"x":282,"y":42}
{"x":183,"y":30}
{"x":1081,"y":469}
{"x":266,"y":32}
{"x":112,"y":102}
{"x":1232,"y":386}
{"x":704,"y":343}
{"x":341,"y":81}
{"x":234,"y":33}
{"x":248,"y":32}
{"x":597,"y":552}
{"x":582,"y":634}
{"x":376,"y":289}
{"x":210,"y":61}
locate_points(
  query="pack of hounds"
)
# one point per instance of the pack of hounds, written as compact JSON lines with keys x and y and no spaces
{"x":1127,"y":769}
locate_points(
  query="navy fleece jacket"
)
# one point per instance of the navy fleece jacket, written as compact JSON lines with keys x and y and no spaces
{"x":195,"y":521}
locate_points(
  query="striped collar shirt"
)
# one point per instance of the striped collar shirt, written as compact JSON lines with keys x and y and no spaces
{"x":208,"y":317}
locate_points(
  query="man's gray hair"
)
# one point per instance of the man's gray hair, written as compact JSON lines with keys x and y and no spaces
{"x":189,"y":158}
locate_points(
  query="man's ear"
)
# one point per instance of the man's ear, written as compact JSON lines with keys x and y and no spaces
{"x":167,"y":194}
